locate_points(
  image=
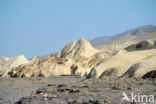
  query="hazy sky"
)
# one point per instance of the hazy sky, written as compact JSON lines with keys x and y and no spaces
{"x":41,"y":27}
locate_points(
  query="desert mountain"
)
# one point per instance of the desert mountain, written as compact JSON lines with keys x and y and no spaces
{"x":118,"y":64}
{"x":143,"y":30}
{"x":125,"y":39}
{"x":118,"y":58}
{"x":77,"y":57}
{"x":80,"y":47}
{"x":7,"y":64}
{"x":142,"y":45}
{"x":143,"y":68}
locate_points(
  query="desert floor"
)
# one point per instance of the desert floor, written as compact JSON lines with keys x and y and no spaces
{"x":72,"y":90}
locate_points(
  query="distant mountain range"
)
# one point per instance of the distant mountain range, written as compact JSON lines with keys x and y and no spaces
{"x":140,"y":31}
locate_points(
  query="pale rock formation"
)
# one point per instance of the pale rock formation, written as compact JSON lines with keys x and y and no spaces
{"x":78,"y":57}
{"x":119,"y":63}
{"x":78,"y":48}
{"x":7,"y":64}
{"x":141,"y":68}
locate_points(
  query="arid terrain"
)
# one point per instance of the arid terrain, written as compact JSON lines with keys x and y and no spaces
{"x":72,"y":90}
{"x":110,"y":73}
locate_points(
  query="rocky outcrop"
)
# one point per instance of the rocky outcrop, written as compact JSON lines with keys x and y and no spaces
{"x":117,"y":65}
{"x":151,"y":74}
{"x":78,"y":57}
{"x":142,"y":45}
{"x":92,"y":74}
{"x":142,"y":68}
{"x":7,"y":64}
{"x":77,"y":48}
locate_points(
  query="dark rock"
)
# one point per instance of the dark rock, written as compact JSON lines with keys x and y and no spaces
{"x":85,"y":87}
{"x":60,"y":90}
{"x":109,"y":73}
{"x":73,"y":69}
{"x":38,"y":92}
{"x":155,"y":43}
{"x":49,"y":85}
{"x":92,"y":74}
{"x":59,"y":86}
{"x":142,"y":45}
{"x":151,"y":74}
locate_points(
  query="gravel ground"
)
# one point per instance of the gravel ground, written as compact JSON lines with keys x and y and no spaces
{"x":13,"y":89}
{"x":72,"y":90}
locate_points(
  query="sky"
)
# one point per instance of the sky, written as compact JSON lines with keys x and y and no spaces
{"x":43,"y":27}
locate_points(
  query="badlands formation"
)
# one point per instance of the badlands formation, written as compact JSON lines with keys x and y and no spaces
{"x":125,"y":39}
{"x":77,"y":58}
{"x":7,"y":64}
{"x":80,"y":58}
{"x":83,"y":74}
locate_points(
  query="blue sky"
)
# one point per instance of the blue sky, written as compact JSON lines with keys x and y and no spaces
{"x":42,"y":27}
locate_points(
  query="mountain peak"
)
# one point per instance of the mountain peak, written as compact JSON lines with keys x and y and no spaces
{"x":149,"y":25}
{"x":146,"y":29}
{"x":80,"y":47}
{"x":82,"y":39}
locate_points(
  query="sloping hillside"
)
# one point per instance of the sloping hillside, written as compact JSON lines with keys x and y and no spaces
{"x":80,"y":47}
{"x":77,"y":57}
{"x":118,"y":64}
{"x":125,"y":39}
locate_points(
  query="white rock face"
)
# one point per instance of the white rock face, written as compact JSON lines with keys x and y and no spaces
{"x":80,"y":47}
{"x":7,"y":64}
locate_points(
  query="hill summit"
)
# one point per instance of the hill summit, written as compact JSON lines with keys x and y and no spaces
{"x":80,"y":47}
{"x":77,"y":57}
{"x":132,"y":34}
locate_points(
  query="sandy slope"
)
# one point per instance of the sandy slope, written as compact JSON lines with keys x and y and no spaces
{"x":123,"y":61}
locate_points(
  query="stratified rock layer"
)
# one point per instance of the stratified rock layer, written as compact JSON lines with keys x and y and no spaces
{"x":117,"y":65}
{"x":78,"y":57}
{"x":142,"y":68}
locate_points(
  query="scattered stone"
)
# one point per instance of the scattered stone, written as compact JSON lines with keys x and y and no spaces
{"x":49,"y":85}
{"x":53,"y":96}
{"x":119,"y":85}
{"x":108,"y":100}
{"x":59,"y":86}
{"x":85,"y":87}
{"x":38,"y":92}
{"x":1,"y":98}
